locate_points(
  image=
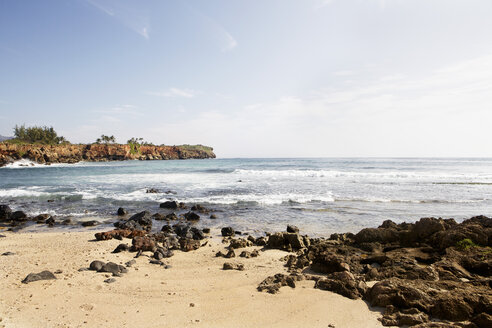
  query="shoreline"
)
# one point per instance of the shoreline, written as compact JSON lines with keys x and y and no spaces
{"x":149,"y":295}
{"x":392,"y":275}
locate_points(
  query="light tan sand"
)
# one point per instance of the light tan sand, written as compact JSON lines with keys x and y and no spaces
{"x":195,"y":292}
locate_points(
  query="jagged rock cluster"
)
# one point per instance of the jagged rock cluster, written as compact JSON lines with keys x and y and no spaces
{"x":428,"y":270}
{"x":68,"y":153}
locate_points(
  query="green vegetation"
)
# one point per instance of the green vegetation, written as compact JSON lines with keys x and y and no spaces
{"x":139,"y":141}
{"x":135,"y":144}
{"x":106,"y":139}
{"x":197,"y":147}
{"x":36,"y":134}
{"x":465,"y":244}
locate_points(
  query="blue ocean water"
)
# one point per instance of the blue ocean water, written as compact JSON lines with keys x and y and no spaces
{"x":319,"y":195}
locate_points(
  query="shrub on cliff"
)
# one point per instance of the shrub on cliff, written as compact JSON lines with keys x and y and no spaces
{"x":37,"y":134}
{"x":106,"y":139}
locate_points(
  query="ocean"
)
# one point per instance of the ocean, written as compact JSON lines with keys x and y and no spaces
{"x":319,"y":195}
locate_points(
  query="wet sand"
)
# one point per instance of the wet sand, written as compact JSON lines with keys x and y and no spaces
{"x":194,"y":292}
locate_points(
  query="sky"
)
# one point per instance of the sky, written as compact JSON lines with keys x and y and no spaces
{"x":255,"y":78}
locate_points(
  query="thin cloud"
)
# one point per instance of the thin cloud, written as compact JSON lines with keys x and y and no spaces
{"x":228,"y":42}
{"x":125,"y":15}
{"x":102,"y":8}
{"x":174,"y":93}
{"x":231,"y":43}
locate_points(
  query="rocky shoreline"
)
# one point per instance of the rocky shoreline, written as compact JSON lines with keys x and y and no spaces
{"x":73,"y":153}
{"x":431,"y":273}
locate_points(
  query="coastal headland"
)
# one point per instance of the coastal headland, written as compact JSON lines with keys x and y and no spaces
{"x":73,"y":153}
{"x":431,"y":273}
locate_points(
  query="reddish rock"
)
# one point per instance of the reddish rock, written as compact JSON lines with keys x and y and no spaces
{"x":119,"y":233}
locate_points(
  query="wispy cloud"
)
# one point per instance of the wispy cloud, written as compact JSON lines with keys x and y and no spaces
{"x":230,"y":42}
{"x":225,"y":38}
{"x":174,"y":93}
{"x":102,"y":8}
{"x":125,"y":15}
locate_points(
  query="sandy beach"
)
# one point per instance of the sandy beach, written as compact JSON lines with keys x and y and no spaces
{"x":193,"y":292}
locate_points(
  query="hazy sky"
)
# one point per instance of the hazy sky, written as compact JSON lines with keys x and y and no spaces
{"x":251,"y":78}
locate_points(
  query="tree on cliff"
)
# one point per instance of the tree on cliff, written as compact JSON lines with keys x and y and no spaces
{"x":37,"y":134}
{"x":106,"y":139}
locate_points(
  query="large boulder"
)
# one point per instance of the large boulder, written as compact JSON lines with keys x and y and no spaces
{"x":445,"y":300}
{"x":18,"y":216}
{"x":329,"y":263}
{"x":139,"y":221}
{"x":287,"y":241}
{"x":343,"y":283}
{"x":380,"y":235}
{"x":143,"y":244}
{"x":227,"y":232}
{"x":172,"y":204}
{"x":5,"y":212}
{"x":427,"y":226}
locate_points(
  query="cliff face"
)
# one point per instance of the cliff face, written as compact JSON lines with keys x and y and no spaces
{"x":47,"y":154}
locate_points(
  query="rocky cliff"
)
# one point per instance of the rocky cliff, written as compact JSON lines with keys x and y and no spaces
{"x":47,"y":154}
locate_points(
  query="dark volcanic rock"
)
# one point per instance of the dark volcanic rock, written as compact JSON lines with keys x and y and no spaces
{"x":199,"y":208}
{"x":184,"y":230}
{"x":119,"y":233}
{"x":227,"y":232}
{"x":381,"y":235}
{"x":113,"y":268}
{"x":50,"y":221}
{"x":159,"y":216}
{"x":171,"y":217}
{"x":96,"y":265}
{"x":143,"y":244}
{"x":5,"y":212}
{"x":292,"y":228}
{"x":240,"y":243}
{"x":161,"y":253}
{"x":139,"y":221}
{"x":121,"y":211}
{"x":18,"y":216}
{"x":188,"y":244}
{"x":329,"y":263}
{"x":272,"y":284}
{"x":41,"y":218}
{"x":89,"y":223}
{"x":287,"y":241}
{"x":121,"y":248}
{"x":343,"y":283}
{"x":192,"y":216}
{"x":43,"y":275}
{"x":170,"y":205}
{"x":442,"y":300}
{"x":167,"y":228}
{"x":233,"y":266}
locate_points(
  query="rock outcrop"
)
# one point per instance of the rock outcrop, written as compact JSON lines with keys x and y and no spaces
{"x":72,"y":153}
{"x":433,"y":269}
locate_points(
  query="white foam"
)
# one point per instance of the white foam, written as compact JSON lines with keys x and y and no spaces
{"x":273,"y":199}
{"x":22,"y":192}
{"x":358,"y":174}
